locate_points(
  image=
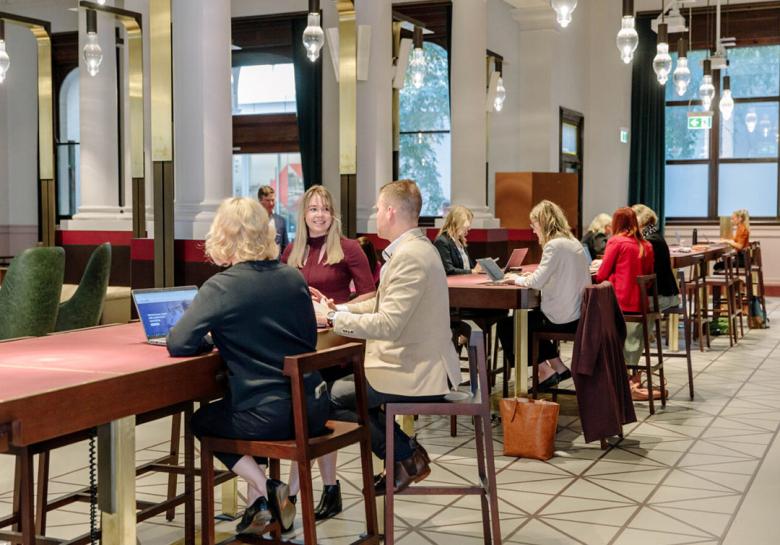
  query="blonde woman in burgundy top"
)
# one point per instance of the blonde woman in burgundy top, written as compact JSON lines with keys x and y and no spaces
{"x":330,"y":263}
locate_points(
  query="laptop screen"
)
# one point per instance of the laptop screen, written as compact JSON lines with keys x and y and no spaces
{"x":160,"y":309}
{"x":516,"y":259}
{"x":493,"y":271}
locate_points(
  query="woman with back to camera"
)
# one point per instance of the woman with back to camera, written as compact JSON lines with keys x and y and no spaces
{"x":627,"y":256}
{"x":257,"y":311}
{"x":561,"y":276}
{"x":331,"y":264}
{"x":668,"y":291}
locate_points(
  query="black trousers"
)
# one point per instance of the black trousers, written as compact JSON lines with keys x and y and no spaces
{"x":537,"y":321}
{"x":344,"y":405}
{"x":269,"y":422}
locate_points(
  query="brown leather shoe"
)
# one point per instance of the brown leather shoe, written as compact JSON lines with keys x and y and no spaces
{"x":412,"y":470}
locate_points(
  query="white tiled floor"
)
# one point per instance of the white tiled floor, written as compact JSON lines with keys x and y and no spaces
{"x":705,"y":471}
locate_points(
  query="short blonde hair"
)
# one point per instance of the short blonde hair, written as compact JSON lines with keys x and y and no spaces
{"x":241,"y":232}
{"x":333,"y":251}
{"x":552,"y":222}
{"x":644,"y":215}
{"x":744,"y":215}
{"x":454,"y":221}
{"x":600,"y":223}
{"x":405,"y":197}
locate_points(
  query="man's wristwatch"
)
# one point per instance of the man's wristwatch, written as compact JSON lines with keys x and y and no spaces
{"x":330,"y":316}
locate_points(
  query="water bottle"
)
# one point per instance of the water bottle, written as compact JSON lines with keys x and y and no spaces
{"x":677,"y":236}
{"x":695,"y":237}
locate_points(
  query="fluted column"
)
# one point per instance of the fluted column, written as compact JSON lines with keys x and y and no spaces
{"x":468,"y":88}
{"x":374,"y":112}
{"x":203,"y":134}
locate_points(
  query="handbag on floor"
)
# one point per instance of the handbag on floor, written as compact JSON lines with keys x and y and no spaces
{"x":757,"y":319}
{"x":529,"y":427}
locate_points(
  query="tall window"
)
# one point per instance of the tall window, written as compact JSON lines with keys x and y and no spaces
{"x":263,"y":96}
{"x":711,"y":172}
{"x":424,"y":154}
{"x":68,"y":146}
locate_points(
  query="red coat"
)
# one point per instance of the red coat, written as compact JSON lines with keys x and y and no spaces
{"x":598,"y":367}
{"x":621,"y":266}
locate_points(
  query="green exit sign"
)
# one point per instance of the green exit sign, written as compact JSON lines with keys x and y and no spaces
{"x":698,"y":121}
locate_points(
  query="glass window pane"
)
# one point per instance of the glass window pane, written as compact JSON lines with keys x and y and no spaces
{"x":425,"y":158}
{"x":686,"y":191}
{"x":263,"y":89}
{"x":751,"y":132}
{"x":681,"y":142}
{"x":748,"y":185}
{"x":754,"y":71}
{"x":569,"y":139}
{"x":695,"y":59}
{"x":282,"y":171}
{"x":427,"y":108}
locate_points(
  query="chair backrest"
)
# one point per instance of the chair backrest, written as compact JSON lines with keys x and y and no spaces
{"x":728,"y":260}
{"x":649,"y":303}
{"x":86,"y":305}
{"x":349,"y":356}
{"x":30,"y":293}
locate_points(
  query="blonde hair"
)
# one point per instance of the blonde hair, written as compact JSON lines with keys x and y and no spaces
{"x":551,"y":220}
{"x":600,"y":223}
{"x":405,"y":197}
{"x":743,"y":214}
{"x":333,"y":252}
{"x":454,"y":221}
{"x":644,"y":215}
{"x":240,"y":232}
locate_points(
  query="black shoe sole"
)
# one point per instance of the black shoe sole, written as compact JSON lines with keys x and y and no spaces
{"x":282,"y":508}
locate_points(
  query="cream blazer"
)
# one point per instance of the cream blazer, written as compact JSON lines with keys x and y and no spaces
{"x":407,"y":324}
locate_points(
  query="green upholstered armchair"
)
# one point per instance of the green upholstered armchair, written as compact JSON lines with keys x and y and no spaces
{"x":86,"y":305}
{"x":30,"y":293}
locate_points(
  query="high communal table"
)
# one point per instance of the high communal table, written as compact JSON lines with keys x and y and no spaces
{"x":474,"y":291}
{"x":54,"y":386}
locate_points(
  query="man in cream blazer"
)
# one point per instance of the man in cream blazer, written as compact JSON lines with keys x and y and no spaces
{"x":409,"y":351}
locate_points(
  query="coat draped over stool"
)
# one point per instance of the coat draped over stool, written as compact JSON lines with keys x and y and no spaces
{"x":598,"y":366}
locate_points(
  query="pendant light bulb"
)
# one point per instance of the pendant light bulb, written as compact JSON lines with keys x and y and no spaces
{"x":751,"y":120}
{"x":93,"y":54}
{"x":682,"y":73}
{"x":498,"y":102}
{"x":313,"y":37}
{"x":5,"y":60}
{"x":417,"y":64}
{"x":563,"y":10}
{"x":726,"y":100}
{"x":707,"y":89}
{"x":662,"y":63}
{"x":627,"y":39}
{"x":101,"y":2}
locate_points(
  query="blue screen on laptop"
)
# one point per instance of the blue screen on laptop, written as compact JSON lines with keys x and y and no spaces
{"x":160,"y":310}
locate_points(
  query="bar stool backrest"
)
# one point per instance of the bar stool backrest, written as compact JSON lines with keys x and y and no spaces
{"x":648,"y":285}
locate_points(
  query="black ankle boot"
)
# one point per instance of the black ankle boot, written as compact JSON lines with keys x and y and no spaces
{"x":330,"y":502}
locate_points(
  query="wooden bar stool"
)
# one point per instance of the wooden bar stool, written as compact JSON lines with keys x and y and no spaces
{"x":682,"y":311}
{"x":538,"y":337}
{"x":649,"y":312}
{"x":728,"y":284}
{"x":696,"y":304}
{"x":303,"y":448}
{"x":475,"y":403}
{"x":757,"y":269}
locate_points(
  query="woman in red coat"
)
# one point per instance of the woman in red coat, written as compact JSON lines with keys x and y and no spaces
{"x":626,"y":257}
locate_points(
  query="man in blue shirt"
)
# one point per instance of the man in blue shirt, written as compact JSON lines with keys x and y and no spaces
{"x":267,"y":197}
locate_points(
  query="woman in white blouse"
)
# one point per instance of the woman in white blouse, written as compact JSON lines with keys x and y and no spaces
{"x":561,"y":277}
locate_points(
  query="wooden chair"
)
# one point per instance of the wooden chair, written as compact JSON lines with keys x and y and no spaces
{"x":649,"y":312}
{"x":696,"y":301}
{"x":682,"y":311}
{"x":475,"y":404}
{"x":727,"y":283}
{"x":537,"y":338}
{"x":303,"y":448}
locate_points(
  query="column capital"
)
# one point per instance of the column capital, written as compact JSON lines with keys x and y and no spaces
{"x":533,"y":14}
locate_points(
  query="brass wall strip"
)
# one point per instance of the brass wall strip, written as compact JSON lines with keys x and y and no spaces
{"x":161,"y":50}
{"x":163,"y":223}
{"x":48,"y":212}
{"x":139,"y":208}
{"x":347,"y":88}
{"x":396,"y":102}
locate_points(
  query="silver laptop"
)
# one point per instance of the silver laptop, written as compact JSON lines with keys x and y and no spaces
{"x":160,"y":308}
{"x":516,"y":259}
{"x":493,"y":271}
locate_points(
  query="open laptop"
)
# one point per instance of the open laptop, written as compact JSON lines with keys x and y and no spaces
{"x":493,"y":271}
{"x":516,"y":259}
{"x":160,"y":309}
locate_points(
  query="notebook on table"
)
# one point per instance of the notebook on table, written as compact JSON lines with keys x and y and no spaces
{"x":160,"y":308}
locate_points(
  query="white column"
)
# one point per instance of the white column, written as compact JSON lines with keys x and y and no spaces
{"x":468,"y":89}
{"x":330,"y":108}
{"x":203,"y":133}
{"x":374,"y":111}
{"x":98,"y":208}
